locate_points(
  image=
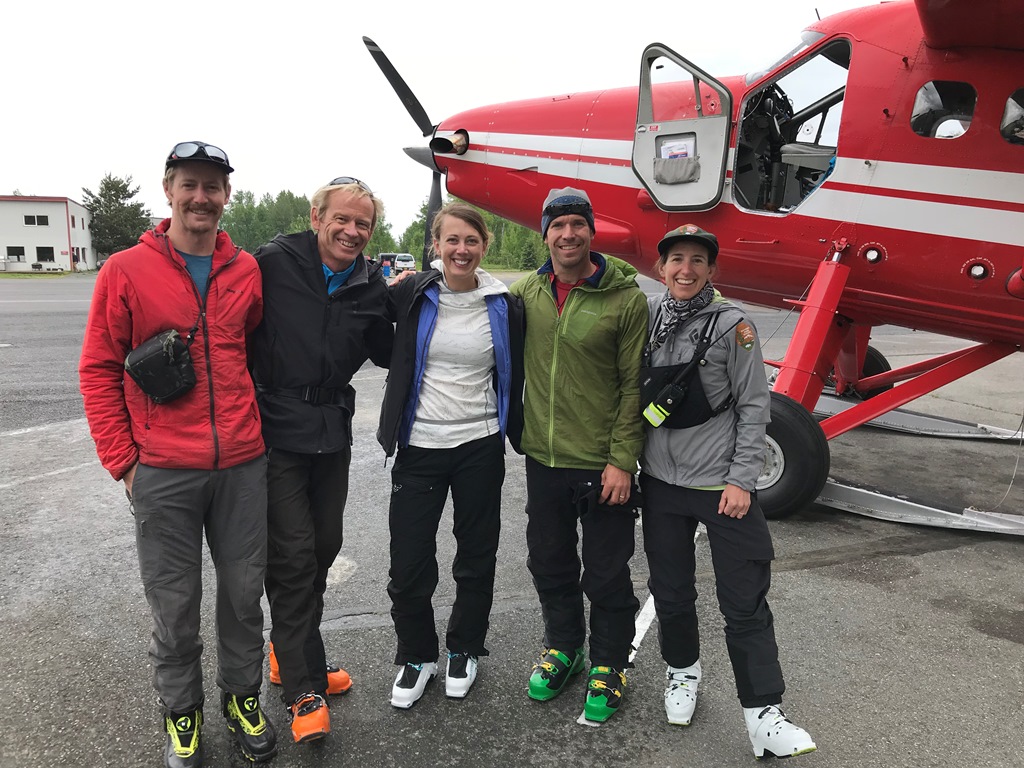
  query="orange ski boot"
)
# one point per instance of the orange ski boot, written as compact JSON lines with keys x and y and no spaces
{"x":275,"y":669}
{"x":311,"y":718}
{"x":338,"y":680}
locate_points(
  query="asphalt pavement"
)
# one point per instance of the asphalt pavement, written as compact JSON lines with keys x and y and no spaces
{"x":901,"y":646}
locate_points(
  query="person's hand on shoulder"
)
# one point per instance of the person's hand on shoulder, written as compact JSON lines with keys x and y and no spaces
{"x":402,"y":275}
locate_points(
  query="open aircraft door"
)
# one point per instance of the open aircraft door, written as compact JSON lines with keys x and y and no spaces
{"x":682,"y":132}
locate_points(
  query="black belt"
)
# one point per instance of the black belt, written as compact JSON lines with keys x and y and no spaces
{"x":310,"y":394}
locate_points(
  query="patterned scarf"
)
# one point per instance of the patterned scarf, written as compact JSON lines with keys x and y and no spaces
{"x":674,"y":312}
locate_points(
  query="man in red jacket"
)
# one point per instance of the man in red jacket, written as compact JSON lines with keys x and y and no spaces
{"x":196,"y":461}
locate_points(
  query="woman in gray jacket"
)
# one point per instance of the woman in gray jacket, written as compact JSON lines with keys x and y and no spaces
{"x":702,"y":457}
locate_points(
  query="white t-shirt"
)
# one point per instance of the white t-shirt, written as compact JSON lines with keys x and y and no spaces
{"x":457,"y":402}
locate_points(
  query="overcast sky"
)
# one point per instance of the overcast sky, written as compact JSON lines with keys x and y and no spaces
{"x":290,"y":92}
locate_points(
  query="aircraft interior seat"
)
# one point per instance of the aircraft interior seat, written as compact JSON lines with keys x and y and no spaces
{"x":816,"y":156}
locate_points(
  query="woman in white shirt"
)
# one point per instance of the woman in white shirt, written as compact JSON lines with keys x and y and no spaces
{"x":454,"y":392}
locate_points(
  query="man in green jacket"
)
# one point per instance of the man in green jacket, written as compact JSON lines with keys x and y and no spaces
{"x":586,"y":325}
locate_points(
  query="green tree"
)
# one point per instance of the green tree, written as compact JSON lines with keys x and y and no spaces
{"x":240,"y":219}
{"x":299,"y":224}
{"x":117,"y":220}
{"x":411,"y":240}
{"x":284,"y":211}
{"x":382,"y":241}
{"x":521,"y":248}
{"x":251,"y":223}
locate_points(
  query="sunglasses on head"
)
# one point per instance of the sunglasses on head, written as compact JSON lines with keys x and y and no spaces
{"x":188,"y":150}
{"x":349,"y":180}
{"x":566,"y":209}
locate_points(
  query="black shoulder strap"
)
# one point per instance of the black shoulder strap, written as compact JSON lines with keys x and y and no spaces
{"x":705,"y":336}
{"x":652,"y":332}
{"x":705,"y":345}
{"x":709,"y":328}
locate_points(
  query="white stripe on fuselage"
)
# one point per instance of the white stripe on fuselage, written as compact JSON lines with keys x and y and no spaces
{"x":614,"y":149}
{"x":931,"y":179}
{"x":616,"y":175}
{"x":879,"y":205}
{"x":942,"y":219}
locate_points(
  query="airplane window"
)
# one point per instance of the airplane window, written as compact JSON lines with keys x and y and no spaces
{"x":672,"y":95}
{"x":789,"y":131}
{"x":1012,"y":124}
{"x":943,"y":109}
{"x":807,"y":39}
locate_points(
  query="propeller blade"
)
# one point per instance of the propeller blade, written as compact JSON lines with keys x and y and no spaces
{"x":412,"y":104}
{"x":433,"y":206}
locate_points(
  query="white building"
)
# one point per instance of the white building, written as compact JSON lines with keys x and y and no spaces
{"x":44,"y":234}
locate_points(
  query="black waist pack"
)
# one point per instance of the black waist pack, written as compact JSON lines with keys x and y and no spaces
{"x":673,"y":400}
{"x":162,"y":366}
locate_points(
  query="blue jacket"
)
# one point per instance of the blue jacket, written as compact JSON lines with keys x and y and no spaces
{"x":414,"y":306}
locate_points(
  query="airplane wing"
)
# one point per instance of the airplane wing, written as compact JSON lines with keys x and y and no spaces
{"x":976,"y":23}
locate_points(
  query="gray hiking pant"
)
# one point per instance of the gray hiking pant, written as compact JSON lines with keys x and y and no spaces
{"x":172,"y":508}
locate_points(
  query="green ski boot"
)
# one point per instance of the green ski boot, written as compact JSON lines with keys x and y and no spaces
{"x":604,"y":693}
{"x":552,"y":672}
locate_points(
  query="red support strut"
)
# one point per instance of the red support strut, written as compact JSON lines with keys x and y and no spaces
{"x":817,"y":337}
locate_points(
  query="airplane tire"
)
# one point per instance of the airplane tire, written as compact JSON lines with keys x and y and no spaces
{"x":796,"y":461}
{"x":874,"y":364}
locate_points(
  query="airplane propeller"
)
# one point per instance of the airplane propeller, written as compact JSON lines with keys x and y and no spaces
{"x":420,"y":155}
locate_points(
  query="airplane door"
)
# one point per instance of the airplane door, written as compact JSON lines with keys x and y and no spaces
{"x":682,"y":132}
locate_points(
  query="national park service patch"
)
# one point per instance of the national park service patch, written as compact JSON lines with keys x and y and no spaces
{"x":745,"y":336}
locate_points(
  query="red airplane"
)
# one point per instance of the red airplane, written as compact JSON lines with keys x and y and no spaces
{"x":873,"y":175}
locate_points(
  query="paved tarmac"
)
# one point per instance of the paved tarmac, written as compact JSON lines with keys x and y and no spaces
{"x":902,"y":646}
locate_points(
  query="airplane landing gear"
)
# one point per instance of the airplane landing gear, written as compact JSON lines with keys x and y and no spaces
{"x":797,"y":460}
{"x":875,"y":363}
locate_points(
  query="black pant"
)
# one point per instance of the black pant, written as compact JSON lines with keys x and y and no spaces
{"x":555,"y":565}
{"x":306,"y":506}
{"x":741,"y":552}
{"x":420,"y":481}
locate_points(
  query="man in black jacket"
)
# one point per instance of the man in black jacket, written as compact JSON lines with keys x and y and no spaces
{"x":325,"y":313}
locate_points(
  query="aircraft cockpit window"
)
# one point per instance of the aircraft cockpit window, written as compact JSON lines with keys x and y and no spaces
{"x":943,"y":109}
{"x":789,"y":131}
{"x":807,"y":39}
{"x":1012,"y":124}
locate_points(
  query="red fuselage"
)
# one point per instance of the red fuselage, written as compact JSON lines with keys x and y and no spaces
{"x":932,"y":228}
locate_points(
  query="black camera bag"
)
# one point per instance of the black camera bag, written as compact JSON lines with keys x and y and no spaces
{"x":162,"y":366}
